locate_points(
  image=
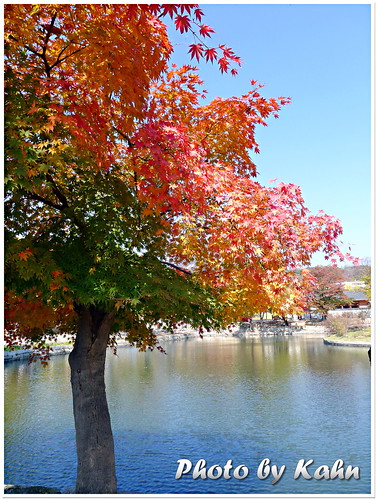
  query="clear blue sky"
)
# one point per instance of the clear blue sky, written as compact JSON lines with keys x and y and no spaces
{"x":319,"y":55}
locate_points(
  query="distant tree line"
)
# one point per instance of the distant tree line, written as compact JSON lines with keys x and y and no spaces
{"x":329,"y":292}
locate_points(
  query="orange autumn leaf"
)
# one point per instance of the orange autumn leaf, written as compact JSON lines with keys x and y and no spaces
{"x":25,"y":254}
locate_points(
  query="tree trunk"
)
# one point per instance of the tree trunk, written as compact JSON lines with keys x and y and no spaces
{"x":94,"y":438}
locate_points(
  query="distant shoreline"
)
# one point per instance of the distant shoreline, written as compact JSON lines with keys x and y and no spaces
{"x":307,"y":332}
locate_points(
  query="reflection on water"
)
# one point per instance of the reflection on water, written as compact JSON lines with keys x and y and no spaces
{"x":216,"y":399}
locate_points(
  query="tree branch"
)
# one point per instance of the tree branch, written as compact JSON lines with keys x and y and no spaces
{"x":131,"y":144}
{"x":174,"y":266}
{"x":26,"y":46}
{"x":61,"y":197}
{"x":45,"y":201}
{"x":58,"y":61}
{"x":61,"y":208}
{"x":44,"y":48}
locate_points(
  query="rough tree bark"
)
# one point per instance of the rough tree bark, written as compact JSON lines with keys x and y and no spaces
{"x":94,"y":438}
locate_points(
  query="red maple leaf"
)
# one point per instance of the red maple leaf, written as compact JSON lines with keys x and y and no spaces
{"x":169,"y":9}
{"x":196,"y":50}
{"x":210,"y":54}
{"x":182,"y":23}
{"x":224,"y":65}
{"x":185,"y":7}
{"x":198,"y":14}
{"x":206,"y":30}
{"x":228,"y":52}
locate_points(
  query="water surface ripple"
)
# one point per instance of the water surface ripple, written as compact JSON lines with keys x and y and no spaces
{"x":216,"y":399}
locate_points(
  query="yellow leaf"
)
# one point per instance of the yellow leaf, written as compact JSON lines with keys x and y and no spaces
{"x":118,"y":304}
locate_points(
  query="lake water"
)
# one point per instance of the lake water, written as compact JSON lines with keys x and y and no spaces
{"x":217,"y":399}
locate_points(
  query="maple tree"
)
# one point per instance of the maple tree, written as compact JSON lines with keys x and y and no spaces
{"x":328,"y":292}
{"x":130,"y":201}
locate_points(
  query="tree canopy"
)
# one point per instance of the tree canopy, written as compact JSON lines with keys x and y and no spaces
{"x":329,"y":290}
{"x":125,"y":190}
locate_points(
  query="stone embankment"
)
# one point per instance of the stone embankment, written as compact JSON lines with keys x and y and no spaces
{"x":12,"y":489}
{"x":346,"y":343}
{"x":26,"y":353}
{"x":256,"y":328}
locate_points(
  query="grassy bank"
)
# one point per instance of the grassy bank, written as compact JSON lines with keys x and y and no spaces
{"x":353,"y":336}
